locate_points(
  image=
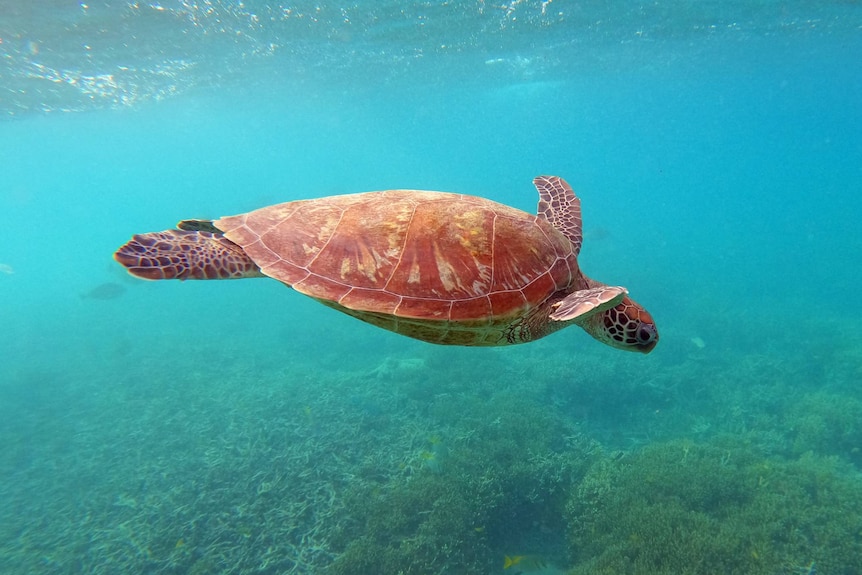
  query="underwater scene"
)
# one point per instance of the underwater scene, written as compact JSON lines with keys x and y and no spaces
{"x":241,"y":427}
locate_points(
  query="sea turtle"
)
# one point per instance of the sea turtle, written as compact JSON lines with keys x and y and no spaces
{"x":440,"y":267}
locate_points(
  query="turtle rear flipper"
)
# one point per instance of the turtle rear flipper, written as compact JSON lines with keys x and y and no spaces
{"x":198,"y":226}
{"x":181,"y":254}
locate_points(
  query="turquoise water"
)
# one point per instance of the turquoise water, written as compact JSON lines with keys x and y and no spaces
{"x":239,"y":427}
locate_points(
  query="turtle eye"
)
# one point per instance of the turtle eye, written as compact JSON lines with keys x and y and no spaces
{"x":646,"y":333}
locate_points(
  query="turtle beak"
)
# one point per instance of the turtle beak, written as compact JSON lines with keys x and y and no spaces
{"x":647,"y":336}
{"x":646,"y":333}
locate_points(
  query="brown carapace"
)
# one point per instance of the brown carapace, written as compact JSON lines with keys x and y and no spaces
{"x":440,"y":267}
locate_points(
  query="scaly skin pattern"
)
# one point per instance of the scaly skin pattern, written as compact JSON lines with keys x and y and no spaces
{"x":439,"y":267}
{"x":183,"y":255}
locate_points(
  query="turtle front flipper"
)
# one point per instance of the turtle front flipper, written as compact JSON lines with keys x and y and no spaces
{"x":586,"y":302}
{"x":560,"y":207}
{"x":183,"y":254}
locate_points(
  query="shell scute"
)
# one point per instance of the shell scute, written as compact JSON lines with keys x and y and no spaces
{"x":472,"y":309}
{"x":507,"y":302}
{"x":539,"y":289}
{"x":564,"y":272}
{"x":321,"y":287}
{"x":452,"y":264}
{"x":517,"y":263}
{"x":424,"y":308}
{"x":370,"y":299}
{"x":364,"y":248}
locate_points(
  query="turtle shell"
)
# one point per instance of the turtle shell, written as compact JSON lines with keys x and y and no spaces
{"x":446,"y":268}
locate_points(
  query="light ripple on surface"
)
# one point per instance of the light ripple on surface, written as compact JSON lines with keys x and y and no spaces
{"x":79,"y":56}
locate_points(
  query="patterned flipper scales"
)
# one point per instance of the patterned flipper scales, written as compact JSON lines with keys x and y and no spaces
{"x":560,"y":207}
{"x":184,"y":254}
{"x":584,"y":303}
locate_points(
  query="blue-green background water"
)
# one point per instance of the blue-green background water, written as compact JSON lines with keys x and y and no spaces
{"x":238,"y":427}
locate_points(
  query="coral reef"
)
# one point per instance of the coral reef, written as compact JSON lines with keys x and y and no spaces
{"x":244,"y":459}
{"x":720,"y":507}
{"x":508,"y":468}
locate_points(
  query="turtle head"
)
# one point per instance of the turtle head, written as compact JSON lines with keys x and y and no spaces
{"x":625,"y":326}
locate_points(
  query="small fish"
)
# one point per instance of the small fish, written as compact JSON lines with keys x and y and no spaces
{"x":6,"y":269}
{"x":108,"y":290}
{"x":524,"y":563}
